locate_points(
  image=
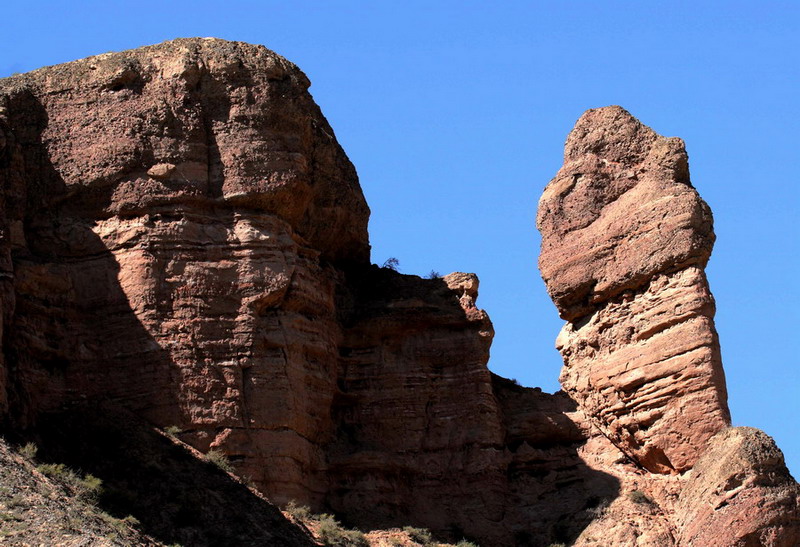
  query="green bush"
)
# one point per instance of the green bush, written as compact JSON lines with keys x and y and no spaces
{"x":637,"y":496}
{"x":62,"y":473}
{"x":332,"y":534}
{"x":173,"y":430}
{"x":130,"y":520}
{"x":29,"y":451}
{"x":465,"y":543}
{"x":420,"y":535}
{"x":219,"y":459}
{"x":120,"y":526}
{"x":89,"y":487}
{"x":298,"y":512}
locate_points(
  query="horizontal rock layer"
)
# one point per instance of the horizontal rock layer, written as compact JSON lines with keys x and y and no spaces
{"x":177,"y":216}
{"x":646,"y":367}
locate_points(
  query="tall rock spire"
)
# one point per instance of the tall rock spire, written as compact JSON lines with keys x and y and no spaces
{"x":625,"y":238}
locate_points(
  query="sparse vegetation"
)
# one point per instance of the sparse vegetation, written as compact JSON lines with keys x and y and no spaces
{"x":333,"y":534}
{"x":122,"y":525}
{"x":87,"y":487}
{"x":420,"y":535}
{"x":392,"y":264}
{"x":465,"y":543}
{"x":328,"y":530}
{"x":300,"y":513}
{"x":433,"y":274}
{"x":16,"y":501}
{"x":173,"y":430}
{"x":55,"y":470}
{"x":29,"y":451}
{"x":219,"y":459}
{"x":637,"y":496}
{"x":90,"y":487}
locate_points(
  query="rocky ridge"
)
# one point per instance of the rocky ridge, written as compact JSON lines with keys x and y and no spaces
{"x":184,"y":239}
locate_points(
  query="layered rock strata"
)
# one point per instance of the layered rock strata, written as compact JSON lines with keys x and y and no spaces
{"x":183,"y":237}
{"x":625,"y":238}
{"x":175,"y":217}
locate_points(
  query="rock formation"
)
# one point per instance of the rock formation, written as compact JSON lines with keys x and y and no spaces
{"x":177,"y":217}
{"x":625,"y":238}
{"x":184,"y":239}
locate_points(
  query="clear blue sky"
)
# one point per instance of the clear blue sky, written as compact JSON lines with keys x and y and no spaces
{"x":455,"y":114}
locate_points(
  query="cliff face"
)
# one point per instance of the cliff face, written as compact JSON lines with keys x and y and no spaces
{"x":184,"y":238}
{"x":176,"y":215}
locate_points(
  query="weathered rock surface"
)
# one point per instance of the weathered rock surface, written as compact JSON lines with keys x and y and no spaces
{"x":178,"y":212}
{"x":740,"y":493}
{"x":624,"y":240}
{"x":619,"y":211}
{"x":183,"y":238}
{"x":186,"y":239}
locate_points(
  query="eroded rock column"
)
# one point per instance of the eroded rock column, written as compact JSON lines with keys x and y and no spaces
{"x":625,"y":238}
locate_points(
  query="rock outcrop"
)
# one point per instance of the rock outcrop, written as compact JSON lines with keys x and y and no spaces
{"x":177,"y":217}
{"x":184,"y":239}
{"x":625,"y":238}
{"x":739,"y":493}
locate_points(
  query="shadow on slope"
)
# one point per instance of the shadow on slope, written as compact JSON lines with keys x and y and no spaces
{"x":176,"y":497}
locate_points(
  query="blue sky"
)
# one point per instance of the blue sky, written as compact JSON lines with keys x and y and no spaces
{"x":455,"y":115}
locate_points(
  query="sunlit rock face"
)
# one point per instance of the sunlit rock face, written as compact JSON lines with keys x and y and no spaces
{"x":625,"y":238}
{"x":739,"y":493}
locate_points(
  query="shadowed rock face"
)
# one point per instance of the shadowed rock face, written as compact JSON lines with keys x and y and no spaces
{"x":182,"y":237}
{"x":625,"y":238}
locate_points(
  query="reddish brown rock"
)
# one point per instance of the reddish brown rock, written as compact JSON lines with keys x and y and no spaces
{"x":624,"y":240}
{"x":180,"y":212}
{"x":619,"y":211}
{"x":646,"y":368}
{"x":182,"y":237}
{"x":740,"y":493}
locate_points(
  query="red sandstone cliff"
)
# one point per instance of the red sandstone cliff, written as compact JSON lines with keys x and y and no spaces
{"x":183,"y":238}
